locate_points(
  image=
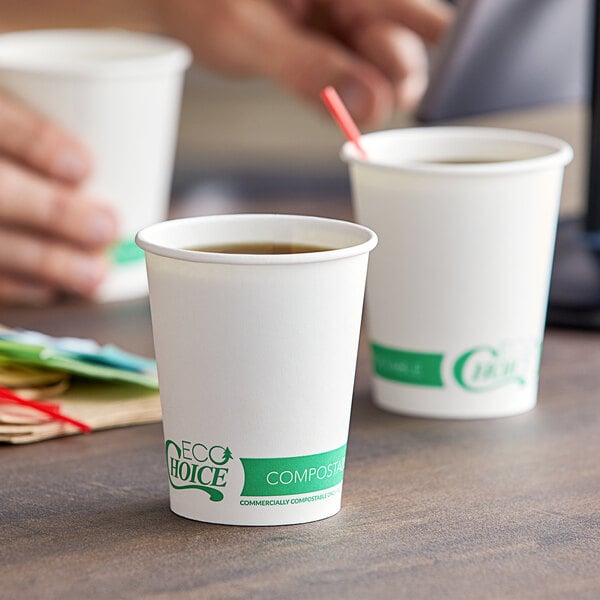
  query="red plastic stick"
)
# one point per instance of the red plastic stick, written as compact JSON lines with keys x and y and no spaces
{"x":50,"y":409}
{"x":342,"y":117}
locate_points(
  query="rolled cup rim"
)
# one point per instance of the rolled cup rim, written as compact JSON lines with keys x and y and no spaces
{"x":155,"y":54}
{"x":146,"y":239}
{"x":560,"y":153}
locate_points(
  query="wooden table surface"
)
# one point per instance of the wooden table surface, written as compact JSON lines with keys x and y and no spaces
{"x":505,"y":508}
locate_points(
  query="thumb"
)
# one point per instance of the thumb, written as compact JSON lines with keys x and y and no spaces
{"x":307,"y":62}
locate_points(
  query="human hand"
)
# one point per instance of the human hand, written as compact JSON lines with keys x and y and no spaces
{"x":51,"y":233}
{"x":372,"y":51}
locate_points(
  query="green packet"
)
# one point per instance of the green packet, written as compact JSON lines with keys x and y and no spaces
{"x":42,"y":356}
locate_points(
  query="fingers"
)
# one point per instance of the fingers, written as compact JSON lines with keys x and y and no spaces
{"x":261,"y":38}
{"x":43,"y":265}
{"x":309,"y":63}
{"x":305,"y":62}
{"x":16,"y":291}
{"x":429,"y":19}
{"x":50,"y":238}
{"x":307,"y":45}
{"x":34,"y":140}
{"x":383,"y":65}
{"x":400,"y":54}
{"x":30,"y":201}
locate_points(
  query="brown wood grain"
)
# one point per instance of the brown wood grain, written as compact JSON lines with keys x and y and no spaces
{"x":492,"y":509}
{"x":449,"y":509}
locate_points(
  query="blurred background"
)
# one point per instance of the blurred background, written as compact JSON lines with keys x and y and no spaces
{"x":245,"y":141}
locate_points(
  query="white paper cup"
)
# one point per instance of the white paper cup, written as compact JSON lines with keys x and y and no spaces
{"x":457,"y":288}
{"x":256,"y":359}
{"x":119,"y":93}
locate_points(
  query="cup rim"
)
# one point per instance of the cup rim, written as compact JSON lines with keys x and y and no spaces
{"x":559,"y":154}
{"x":144,"y":239}
{"x":164,"y":55}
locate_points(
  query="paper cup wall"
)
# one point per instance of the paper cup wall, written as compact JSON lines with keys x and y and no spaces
{"x":256,"y":359}
{"x":119,"y":93}
{"x":457,"y":288}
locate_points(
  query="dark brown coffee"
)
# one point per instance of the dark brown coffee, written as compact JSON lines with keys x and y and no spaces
{"x":260,"y":248}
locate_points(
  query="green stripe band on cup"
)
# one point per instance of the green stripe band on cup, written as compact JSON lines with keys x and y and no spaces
{"x":125,"y":252}
{"x":417,"y":368}
{"x":293,"y":475}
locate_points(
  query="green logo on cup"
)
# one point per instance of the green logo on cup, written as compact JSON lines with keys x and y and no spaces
{"x":193,"y":465}
{"x":480,"y":369}
{"x":293,"y":475}
{"x":484,"y":368}
{"x":405,"y":366}
{"x":125,"y":252}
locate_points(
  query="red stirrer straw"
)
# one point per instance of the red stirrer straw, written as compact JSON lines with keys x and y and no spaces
{"x":342,"y":117}
{"x":51,"y":410}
